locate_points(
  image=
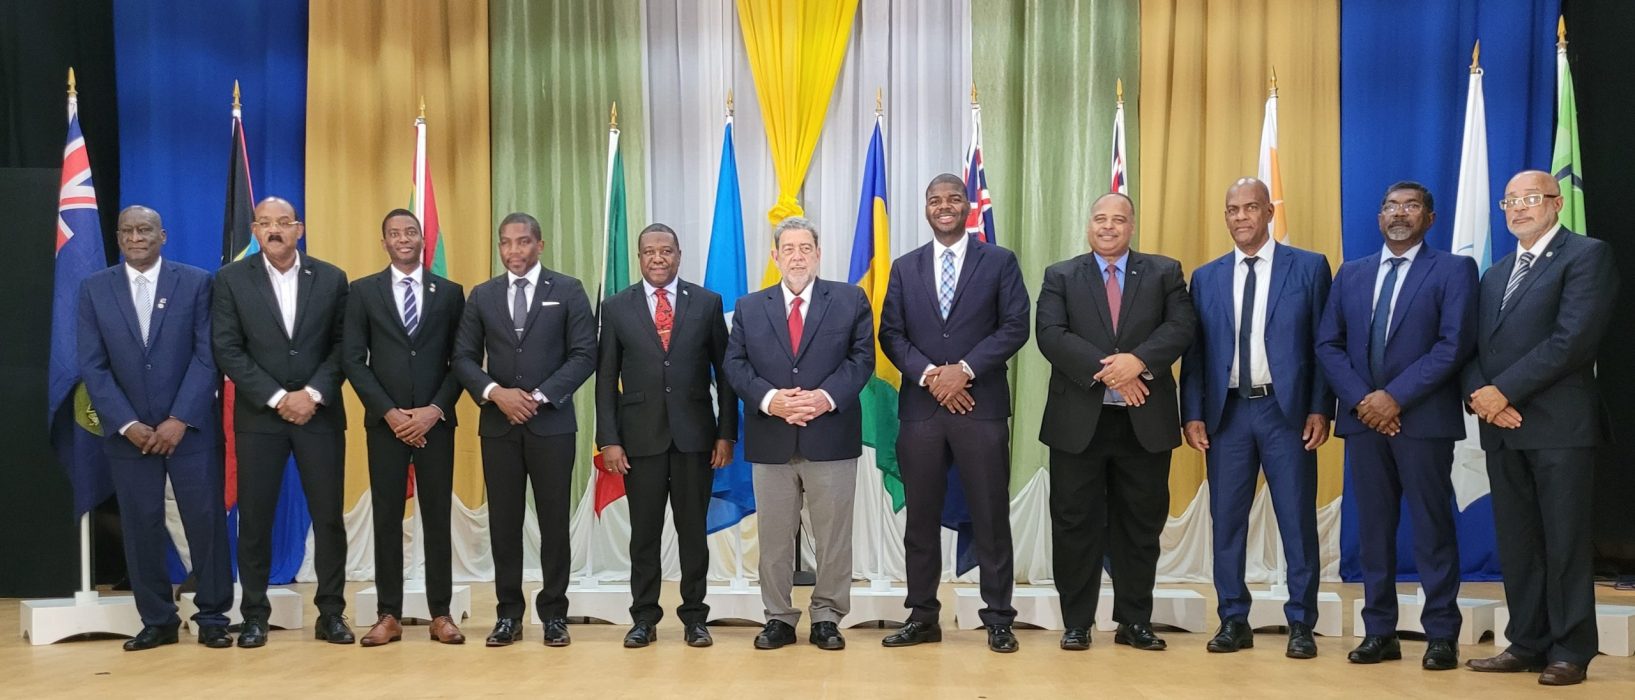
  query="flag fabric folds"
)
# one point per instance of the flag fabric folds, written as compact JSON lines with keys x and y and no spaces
{"x":615,"y":277}
{"x":73,"y":423}
{"x":423,"y":202}
{"x":1566,"y":162}
{"x":871,"y":269}
{"x":1471,"y":238}
{"x":1120,"y":180}
{"x":979,"y":222}
{"x":732,"y":496}
{"x":1269,"y":170}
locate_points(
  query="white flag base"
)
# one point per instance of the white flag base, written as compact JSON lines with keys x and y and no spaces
{"x":594,"y":600}
{"x":736,"y":601}
{"x":1478,"y":615}
{"x":1181,"y":608}
{"x":55,"y":619}
{"x":287,"y":609}
{"x":415,"y":606}
{"x":1615,"y":625}
{"x":880,"y":602}
{"x":1037,"y":606}
{"x":1266,"y":610}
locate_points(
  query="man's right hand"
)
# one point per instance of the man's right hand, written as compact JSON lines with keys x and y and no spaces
{"x":297,"y":407}
{"x":1196,"y":436}
{"x":614,"y":460}
{"x":139,"y":434}
{"x":960,"y":401}
{"x":518,"y":406}
{"x":792,"y":406}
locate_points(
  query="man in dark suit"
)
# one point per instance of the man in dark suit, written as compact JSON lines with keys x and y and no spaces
{"x":658,"y":425}
{"x":1541,"y":314}
{"x":1398,"y":327}
{"x":955,"y":312}
{"x":527,"y":340}
{"x":277,"y":318}
{"x":1111,"y":322}
{"x":1254,"y":400}
{"x":144,"y":350}
{"x":800,"y":352}
{"x":400,"y":325}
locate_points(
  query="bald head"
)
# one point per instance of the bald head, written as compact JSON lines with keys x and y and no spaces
{"x":277,"y":228}
{"x":137,"y":212}
{"x":141,"y":236}
{"x":1249,"y":214}
{"x":1255,"y":188}
{"x":1532,"y":205}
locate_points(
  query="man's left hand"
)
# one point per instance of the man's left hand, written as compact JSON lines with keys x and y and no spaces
{"x":721,"y":456}
{"x":1118,"y":370}
{"x":944,"y":381}
{"x":1315,"y":432}
{"x":420,"y":421}
{"x":1487,"y":402}
{"x":166,"y":437}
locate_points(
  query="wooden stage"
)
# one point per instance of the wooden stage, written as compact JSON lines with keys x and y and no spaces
{"x":293,"y":664}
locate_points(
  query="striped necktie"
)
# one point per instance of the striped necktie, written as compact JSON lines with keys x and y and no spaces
{"x":1524,"y":264}
{"x":411,"y":315}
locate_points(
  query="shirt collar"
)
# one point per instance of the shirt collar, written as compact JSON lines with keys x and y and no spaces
{"x":1386,"y":254}
{"x":805,"y":294}
{"x":669,"y":289}
{"x":1540,"y":245}
{"x":398,"y":276}
{"x":532,"y":275}
{"x":295,"y":267}
{"x":1265,"y":254}
{"x":958,"y":247}
{"x":152,"y":274}
{"x":1121,"y":263}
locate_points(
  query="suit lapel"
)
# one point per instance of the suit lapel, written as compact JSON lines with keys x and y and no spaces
{"x":814,"y":316}
{"x":388,"y":296}
{"x":126,"y":303}
{"x":975,"y":251}
{"x":1540,"y":265}
{"x":924,"y":265}
{"x":1282,"y":265}
{"x":163,"y":291}
{"x":259,"y":280}
{"x":648,"y":325}
{"x":1134,"y":266}
{"x":1090,"y":278}
{"x":775,"y":314}
{"x":542,"y":294}
{"x":679,"y":319}
{"x":303,"y":292}
{"x":1492,"y":291}
{"x":1417,"y":272}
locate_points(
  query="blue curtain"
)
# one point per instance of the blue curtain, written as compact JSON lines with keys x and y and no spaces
{"x":176,"y":65}
{"x":1404,"y":72}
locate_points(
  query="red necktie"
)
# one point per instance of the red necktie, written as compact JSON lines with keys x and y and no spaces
{"x":663,"y":317}
{"x":1115,"y":297}
{"x":796,"y":325}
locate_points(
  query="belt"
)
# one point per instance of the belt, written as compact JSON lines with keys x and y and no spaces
{"x":1258,"y":392}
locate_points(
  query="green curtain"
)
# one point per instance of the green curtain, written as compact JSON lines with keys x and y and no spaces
{"x":555,"y":67}
{"x":1045,"y":74}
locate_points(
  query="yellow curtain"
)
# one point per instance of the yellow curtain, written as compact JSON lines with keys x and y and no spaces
{"x":369,"y":64}
{"x":1204,"y":71}
{"x":795,"y":51}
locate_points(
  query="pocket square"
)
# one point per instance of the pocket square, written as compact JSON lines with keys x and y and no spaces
{"x":549,"y":303}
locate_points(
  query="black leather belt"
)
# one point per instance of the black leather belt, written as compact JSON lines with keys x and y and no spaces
{"x":1259,"y":392}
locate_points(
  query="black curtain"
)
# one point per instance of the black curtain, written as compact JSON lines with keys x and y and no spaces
{"x":39,"y":40}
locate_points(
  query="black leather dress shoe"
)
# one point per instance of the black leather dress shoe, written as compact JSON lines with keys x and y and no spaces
{"x":1563,"y":673}
{"x":1375,"y":649}
{"x":697,"y":634}
{"x":1139,"y":636}
{"x":1505,"y":662}
{"x":640,"y":635}
{"x":215,"y":636}
{"x":826,"y":636}
{"x":333,"y":628}
{"x":1002,"y":639}
{"x":506,"y":631}
{"x":775,"y":634}
{"x":1301,"y":645}
{"x":1076,"y":639}
{"x":1232,"y":636}
{"x":556,"y":632}
{"x":151,"y":637}
{"x":252,"y":634}
{"x":1440,"y":655}
{"x":912,"y":633}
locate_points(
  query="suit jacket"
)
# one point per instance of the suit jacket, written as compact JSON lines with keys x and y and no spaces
{"x":986,"y":325}
{"x":1156,"y":324}
{"x":647,"y":397}
{"x":836,"y":355}
{"x":1540,"y":350}
{"x":174,"y":375}
{"x":557,"y":351}
{"x":1297,"y":290}
{"x":390,"y":368}
{"x":1432,"y":335}
{"x":261,"y":357}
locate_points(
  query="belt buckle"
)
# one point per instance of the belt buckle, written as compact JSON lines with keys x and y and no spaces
{"x":1260,"y":392}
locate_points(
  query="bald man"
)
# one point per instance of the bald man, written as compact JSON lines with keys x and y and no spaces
{"x":1542,"y":311}
{"x":1253,"y":401}
{"x":277,"y":318}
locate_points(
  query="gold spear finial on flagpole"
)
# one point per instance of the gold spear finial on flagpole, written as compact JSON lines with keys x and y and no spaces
{"x":1475,"y":57}
{"x":1119,"y":88}
{"x":973,"y":93}
{"x":729,"y":102}
{"x":1274,"y":82}
{"x":1561,"y":32}
{"x":879,"y":101}
{"x":236,"y":104}
{"x":613,"y":117}
{"x":422,"y":108}
{"x":72,"y":91}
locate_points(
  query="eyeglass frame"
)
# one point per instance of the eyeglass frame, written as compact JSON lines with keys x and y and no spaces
{"x":1509,"y":203}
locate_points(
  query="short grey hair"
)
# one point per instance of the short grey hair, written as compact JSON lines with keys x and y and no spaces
{"x":794,"y":223}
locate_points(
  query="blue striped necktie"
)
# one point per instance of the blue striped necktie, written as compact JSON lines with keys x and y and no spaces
{"x":411,"y":315}
{"x":945,"y":291}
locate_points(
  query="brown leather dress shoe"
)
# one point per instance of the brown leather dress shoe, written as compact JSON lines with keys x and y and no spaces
{"x":444,"y":630}
{"x":1505,"y":662}
{"x":385,"y":631}
{"x":1562,"y":673}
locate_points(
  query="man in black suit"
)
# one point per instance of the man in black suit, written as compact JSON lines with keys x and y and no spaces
{"x":1111,"y":322}
{"x":802,"y":350}
{"x":955,"y":312}
{"x":658,"y":425}
{"x":400,"y":325}
{"x":533,"y":331}
{"x":1541,"y":314}
{"x":277,"y":318}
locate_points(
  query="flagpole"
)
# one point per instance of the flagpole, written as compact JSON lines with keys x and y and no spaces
{"x":85,"y":594}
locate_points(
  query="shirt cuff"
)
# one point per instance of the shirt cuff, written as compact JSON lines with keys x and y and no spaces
{"x":489,"y":389}
{"x":317,"y":396}
{"x":441,"y":416}
{"x":127,"y":426}
{"x":826,"y":397}
{"x":766,"y":401}
{"x":968,"y":372}
{"x":276,"y":398}
{"x":928,"y":368}
{"x":539,"y":396}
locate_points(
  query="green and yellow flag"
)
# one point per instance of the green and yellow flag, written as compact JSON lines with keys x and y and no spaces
{"x":871,"y":270}
{"x":1566,"y":162}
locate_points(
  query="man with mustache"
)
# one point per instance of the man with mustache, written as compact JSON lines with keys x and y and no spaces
{"x":1398,"y":328}
{"x":277,"y":319}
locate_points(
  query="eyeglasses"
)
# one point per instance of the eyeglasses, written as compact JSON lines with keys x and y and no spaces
{"x":1406,"y":208}
{"x":281,"y":223}
{"x":1531,"y":200}
{"x":143,"y":230}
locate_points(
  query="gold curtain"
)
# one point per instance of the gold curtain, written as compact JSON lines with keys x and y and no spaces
{"x":1204,"y":72}
{"x":369,"y":64}
{"x":795,"y":52}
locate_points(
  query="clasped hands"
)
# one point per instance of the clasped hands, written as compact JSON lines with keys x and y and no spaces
{"x":1122,"y":373}
{"x":297,"y":407}
{"x":1490,"y":404}
{"x":411,"y":424}
{"x":950,"y":386}
{"x":1380,"y":412}
{"x":518,"y":405}
{"x":798,"y":406}
{"x":160,"y":441}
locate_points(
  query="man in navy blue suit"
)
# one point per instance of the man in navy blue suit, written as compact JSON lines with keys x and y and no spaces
{"x":799,"y":353}
{"x":1252,"y":399}
{"x":955,"y":311}
{"x":144,"y":350}
{"x":1398,"y":329}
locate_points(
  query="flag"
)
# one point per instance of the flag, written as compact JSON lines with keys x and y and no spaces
{"x":1120,"y":181}
{"x":615,"y":276}
{"x":1471,"y":230}
{"x":423,"y":202}
{"x":1566,"y":162}
{"x":732,"y":496}
{"x":72,"y":421}
{"x":979,"y":222}
{"x":1269,"y":171}
{"x":871,"y":270}
{"x":236,"y":243}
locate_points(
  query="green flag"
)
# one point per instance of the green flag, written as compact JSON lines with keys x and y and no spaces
{"x":1566,"y":162}
{"x":616,"y":254}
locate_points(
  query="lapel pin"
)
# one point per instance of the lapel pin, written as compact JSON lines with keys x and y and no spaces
{"x":162,"y":303}
{"x":306,"y":271}
{"x":431,"y":288}
{"x":1550,"y":254}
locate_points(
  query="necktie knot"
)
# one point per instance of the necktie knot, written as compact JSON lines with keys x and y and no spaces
{"x":1250,"y":261}
{"x":1526,"y":258}
{"x":1112,"y":269}
{"x":794,"y":306}
{"x":1396,"y":262}
{"x":521,"y":283}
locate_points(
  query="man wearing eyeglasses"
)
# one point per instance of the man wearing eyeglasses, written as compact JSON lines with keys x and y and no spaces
{"x":276,"y":329}
{"x":1542,"y":311}
{"x":1398,"y":328}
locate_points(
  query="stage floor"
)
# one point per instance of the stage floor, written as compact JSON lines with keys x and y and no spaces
{"x":294,"y":664}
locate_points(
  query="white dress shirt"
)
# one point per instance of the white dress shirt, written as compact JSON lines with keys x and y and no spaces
{"x":532,"y":275}
{"x":152,"y":276}
{"x":286,"y":287}
{"x":1260,"y":370}
{"x":789,"y":298}
{"x":416,"y":290}
{"x":1402,"y":275}
{"x":1537,"y":249}
{"x":937,"y":251}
